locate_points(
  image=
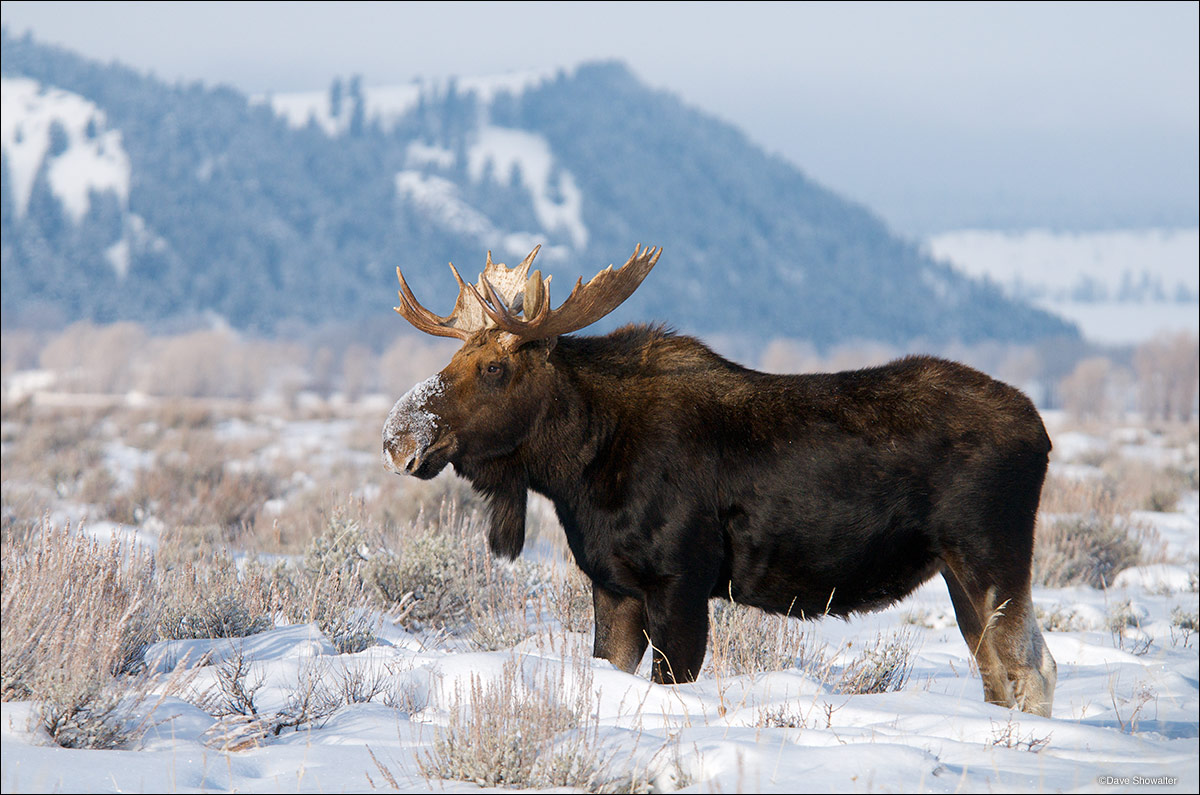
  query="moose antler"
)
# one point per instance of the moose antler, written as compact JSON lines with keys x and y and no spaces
{"x":468,"y":316}
{"x":511,"y":290}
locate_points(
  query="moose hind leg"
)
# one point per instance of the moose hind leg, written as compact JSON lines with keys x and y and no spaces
{"x":1017,"y":668}
{"x":620,"y":628}
{"x":1023,"y":651}
{"x":996,"y":687}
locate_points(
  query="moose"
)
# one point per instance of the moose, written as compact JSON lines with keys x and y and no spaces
{"x":680,"y":476}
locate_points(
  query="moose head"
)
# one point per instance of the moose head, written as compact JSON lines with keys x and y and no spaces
{"x":482,"y":405}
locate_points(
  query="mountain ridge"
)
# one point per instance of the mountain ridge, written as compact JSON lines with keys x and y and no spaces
{"x":233,"y":209}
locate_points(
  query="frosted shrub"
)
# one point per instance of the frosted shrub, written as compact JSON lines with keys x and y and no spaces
{"x":342,"y":547}
{"x":76,"y":617}
{"x":1184,"y":624}
{"x":431,"y":570}
{"x":202,"y":595}
{"x":221,"y":616}
{"x":568,"y":598}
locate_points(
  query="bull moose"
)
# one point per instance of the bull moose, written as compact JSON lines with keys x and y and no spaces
{"x":680,"y":476}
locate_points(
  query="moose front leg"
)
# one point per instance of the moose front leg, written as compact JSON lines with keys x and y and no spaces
{"x":677,"y":618}
{"x":620,"y":628}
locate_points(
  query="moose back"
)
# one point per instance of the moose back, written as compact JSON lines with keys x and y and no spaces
{"x":679,"y":476}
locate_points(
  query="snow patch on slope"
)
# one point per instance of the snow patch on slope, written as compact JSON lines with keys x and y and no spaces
{"x":90,"y":157}
{"x":438,"y":197}
{"x":439,"y":200}
{"x":557,"y":200}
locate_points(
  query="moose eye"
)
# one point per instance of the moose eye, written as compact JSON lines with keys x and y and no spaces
{"x":494,"y":369}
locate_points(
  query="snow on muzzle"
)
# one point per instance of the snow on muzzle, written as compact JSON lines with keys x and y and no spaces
{"x":411,"y":427}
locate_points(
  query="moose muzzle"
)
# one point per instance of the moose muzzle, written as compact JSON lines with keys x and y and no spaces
{"x":411,"y":431}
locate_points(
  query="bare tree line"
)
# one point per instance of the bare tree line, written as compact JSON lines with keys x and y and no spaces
{"x":1159,"y":378}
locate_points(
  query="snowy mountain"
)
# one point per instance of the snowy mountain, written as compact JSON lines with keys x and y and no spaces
{"x":127,"y":198}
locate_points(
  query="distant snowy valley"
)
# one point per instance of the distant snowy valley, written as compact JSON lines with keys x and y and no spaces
{"x":1121,"y":287}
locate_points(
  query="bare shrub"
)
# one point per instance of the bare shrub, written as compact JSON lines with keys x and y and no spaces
{"x":1144,"y":486}
{"x":200,"y":364}
{"x":502,"y":734}
{"x":1085,"y":392}
{"x":438,"y":571}
{"x":19,"y":350}
{"x":336,"y":602}
{"x":341,"y":548}
{"x":56,"y":449}
{"x":1083,"y":550}
{"x":234,"y":689}
{"x":1061,"y":619}
{"x":882,"y":667}
{"x":76,"y":617}
{"x":360,"y":368}
{"x":1008,"y":735}
{"x":1085,"y":539}
{"x":745,"y":640}
{"x":1184,"y":624}
{"x":362,"y":686}
{"x":781,"y":717}
{"x":242,"y":723}
{"x":67,"y":353}
{"x":568,"y":598}
{"x":203,"y":596}
{"x":496,"y":608}
{"x":412,"y":358}
{"x":425,"y":569}
{"x":193,"y":484}
{"x":1167,"y":369}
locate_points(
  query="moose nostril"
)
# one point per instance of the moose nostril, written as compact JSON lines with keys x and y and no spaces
{"x":397,"y":458}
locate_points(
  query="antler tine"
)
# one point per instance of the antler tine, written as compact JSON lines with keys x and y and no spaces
{"x":500,"y":314}
{"x":497,"y":301}
{"x":525,"y":263}
{"x":421,"y":318}
{"x":589,"y":302}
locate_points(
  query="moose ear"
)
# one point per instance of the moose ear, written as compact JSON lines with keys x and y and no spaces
{"x":544,"y":347}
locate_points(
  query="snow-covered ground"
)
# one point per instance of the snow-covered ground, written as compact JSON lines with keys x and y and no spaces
{"x":1120,"y":287}
{"x":1125,"y":715}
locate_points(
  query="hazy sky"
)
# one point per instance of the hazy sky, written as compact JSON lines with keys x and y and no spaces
{"x":936,"y":115}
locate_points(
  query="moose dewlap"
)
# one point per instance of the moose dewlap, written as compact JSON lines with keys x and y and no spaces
{"x":679,"y":476}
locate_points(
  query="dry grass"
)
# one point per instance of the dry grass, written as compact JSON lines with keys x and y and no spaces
{"x":1086,"y":550}
{"x":1144,"y":486}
